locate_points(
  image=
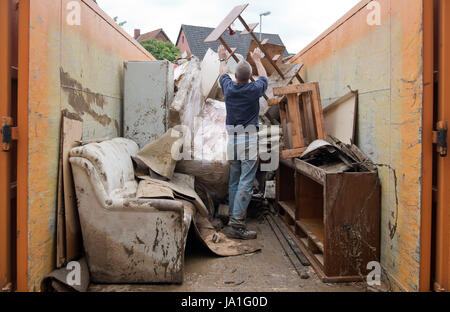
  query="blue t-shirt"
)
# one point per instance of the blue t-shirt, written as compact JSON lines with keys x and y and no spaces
{"x":242,"y":100}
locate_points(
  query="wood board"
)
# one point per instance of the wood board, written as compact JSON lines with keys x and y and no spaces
{"x":72,"y":131}
{"x":301,"y":117}
{"x":272,"y":50}
{"x":276,"y":81}
{"x":210,"y":70}
{"x":60,"y":221}
{"x":219,"y":30}
{"x":340,"y":118}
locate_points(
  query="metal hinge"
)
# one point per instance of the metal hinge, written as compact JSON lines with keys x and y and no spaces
{"x":9,"y":133}
{"x":440,"y":138}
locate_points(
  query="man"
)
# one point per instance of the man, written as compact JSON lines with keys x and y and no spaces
{"x":242,"y":104}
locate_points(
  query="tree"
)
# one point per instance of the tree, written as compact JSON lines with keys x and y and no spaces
{"x":119,"y":23}
{"x":161,"y":50}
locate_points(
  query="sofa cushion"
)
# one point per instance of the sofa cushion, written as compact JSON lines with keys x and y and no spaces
{"x":112,"y":160}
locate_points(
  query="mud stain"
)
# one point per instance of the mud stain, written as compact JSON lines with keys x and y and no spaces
{"x":128,"y":251}
{"x":116,"y":125}
{"x":70,"y":115}
{"x":82,"y":99}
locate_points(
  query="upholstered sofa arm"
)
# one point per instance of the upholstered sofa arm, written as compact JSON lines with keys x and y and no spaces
{"x":120,"y":204}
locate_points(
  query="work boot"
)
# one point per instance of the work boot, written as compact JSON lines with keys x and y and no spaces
{"x":239,"y":233}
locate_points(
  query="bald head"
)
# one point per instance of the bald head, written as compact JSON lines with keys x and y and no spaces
{"x":243,"y":72}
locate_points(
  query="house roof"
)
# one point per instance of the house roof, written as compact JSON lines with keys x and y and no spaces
{"x":196,"y":35}
{"x":151,"y":35}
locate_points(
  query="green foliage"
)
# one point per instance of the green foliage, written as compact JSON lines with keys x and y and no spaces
{"x":121,"y":23}
{"x":161,"y":50}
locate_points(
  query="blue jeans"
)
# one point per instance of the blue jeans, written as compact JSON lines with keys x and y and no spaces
{"x":243,"y":168}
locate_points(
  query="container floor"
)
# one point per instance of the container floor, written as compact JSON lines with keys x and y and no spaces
{"x":266,"y":271}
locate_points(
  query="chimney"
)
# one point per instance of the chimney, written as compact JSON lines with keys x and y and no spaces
{"x":137,"y":33}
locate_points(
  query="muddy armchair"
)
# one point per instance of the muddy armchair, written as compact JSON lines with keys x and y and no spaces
{"x":126,"y":240}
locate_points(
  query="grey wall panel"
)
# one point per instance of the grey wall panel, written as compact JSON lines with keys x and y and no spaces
{"x":148,"y":92}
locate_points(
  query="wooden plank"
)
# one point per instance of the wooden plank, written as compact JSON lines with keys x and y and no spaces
{"x":294,"y":120}
{"x":340,"y":118}
{"x":263,"y":49}
{"x":311,"y":171}
{"x":310,"y":117}
{"x":335,"y":167}
{"x":292,"y":153}
{"x":271,"y":50}
{"x":72,"y":132}
{"x":295,"y":88}
{"x":320,"y":258}
{"x":315,"y":230}
{"x":307,"y":118}
{"x":317,"y":103}
{"x":231,"y":17}
{"x":60,"y":221}
{"x":289,"y":208}
{"x":353,"y":200}
{"x":252,"y":28}
{"x":274,"y":101}
{"x":276,"y":81}
{"x":367,"y":163}
{"x":265,"y":41}
{"x":283,"y":119}
{"x":276,"y":58}
{"x":233,"y":51}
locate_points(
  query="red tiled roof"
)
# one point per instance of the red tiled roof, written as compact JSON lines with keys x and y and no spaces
{"x":151,"y":35}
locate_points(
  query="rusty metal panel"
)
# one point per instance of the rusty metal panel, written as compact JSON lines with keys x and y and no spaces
{"x":77,"y":68}
{"x":148,"y":93}
{"x":384,"y":63}
{"x":442,"y":274}
{"x":5,"y":156}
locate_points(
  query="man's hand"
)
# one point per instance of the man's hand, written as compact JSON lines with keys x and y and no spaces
{"x":257,"y":55}
{"x":223,"y":54}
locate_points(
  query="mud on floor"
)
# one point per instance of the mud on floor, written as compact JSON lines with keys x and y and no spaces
{"x":267,"y":271}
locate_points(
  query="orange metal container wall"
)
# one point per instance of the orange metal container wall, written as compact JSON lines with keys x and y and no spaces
{"x":5,"y":157}
{"x":22,"y":145}
{"x":427,"y":143}
{"x":384,"y":63}
{"x":72,"y":67}
{"x":442,"y":278}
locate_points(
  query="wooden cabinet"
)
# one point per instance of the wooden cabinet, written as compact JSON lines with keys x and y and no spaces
{"x":335,"y":217}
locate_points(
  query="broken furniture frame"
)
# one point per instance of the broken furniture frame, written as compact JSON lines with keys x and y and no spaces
{"x":334,"y":217}
{"x":270,"y":49}
{"x":226,"y":23}
{"x":217,"y":33}
{"x":301,"y":117}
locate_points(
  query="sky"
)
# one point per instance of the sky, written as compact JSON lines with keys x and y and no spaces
{"x":298,"y":22}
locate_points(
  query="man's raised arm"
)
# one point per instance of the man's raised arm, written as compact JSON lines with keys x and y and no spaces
{"x":257,"y":56}
{"x":223,"y":55}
